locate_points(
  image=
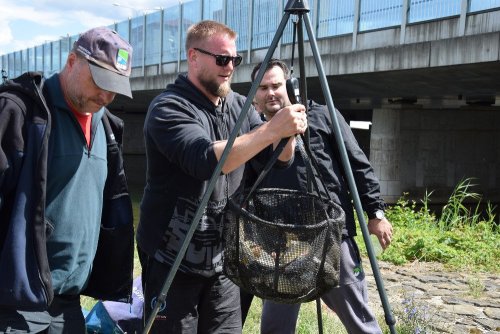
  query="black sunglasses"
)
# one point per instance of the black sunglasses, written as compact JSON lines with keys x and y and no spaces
{"x":222,"y":60}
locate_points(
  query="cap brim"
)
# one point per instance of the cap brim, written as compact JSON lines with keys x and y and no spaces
{"x":110,"y":81}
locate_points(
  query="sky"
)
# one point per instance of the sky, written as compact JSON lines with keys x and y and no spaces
{"x":28,"y":23}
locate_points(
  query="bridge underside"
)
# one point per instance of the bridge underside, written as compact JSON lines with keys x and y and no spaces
{"x":472,"y":84}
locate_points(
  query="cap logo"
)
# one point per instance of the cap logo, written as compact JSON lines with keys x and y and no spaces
{"x":122,"y":59}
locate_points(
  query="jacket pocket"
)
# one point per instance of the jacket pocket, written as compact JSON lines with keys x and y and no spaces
{"x":112,"y":269}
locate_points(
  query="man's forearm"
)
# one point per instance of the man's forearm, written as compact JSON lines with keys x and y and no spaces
{"x":248,"y":145}
{"x":287,"y":122}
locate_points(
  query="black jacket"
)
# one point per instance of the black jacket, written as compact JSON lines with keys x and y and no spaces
{"x":25,"y":281}
{"x":180,"y":128}
{"x":325,"y":150}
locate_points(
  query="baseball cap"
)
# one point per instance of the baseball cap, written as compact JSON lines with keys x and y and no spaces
{"x":109,"y":57}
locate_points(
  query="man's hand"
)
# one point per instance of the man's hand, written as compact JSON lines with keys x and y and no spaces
{"x":382,"y":228}
{"x":289,"y":121}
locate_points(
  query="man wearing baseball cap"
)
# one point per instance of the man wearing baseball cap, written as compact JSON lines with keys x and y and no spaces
{"x":109,"y":58}
{"x":61,"y":179}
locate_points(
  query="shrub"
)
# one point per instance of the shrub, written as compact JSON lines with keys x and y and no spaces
{"x":462,"y":238}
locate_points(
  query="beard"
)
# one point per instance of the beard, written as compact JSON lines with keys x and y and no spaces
{"x":82,"y":105}
{"x":213,"y":87}
{"x":85,"y":105}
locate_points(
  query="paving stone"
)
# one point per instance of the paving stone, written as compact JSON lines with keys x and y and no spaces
{"x":493,"y":313}
{"x":486,"y":303}
{"x":431,"y":279}
{"x":441,"y":327}
{"x":449,"y":287}
{"x":436,"y":300}
{"x":463,"y":310}
{"x":489,"y":324}
{"x":443,"y":295}
{"x":453,"y":300}
{"x":463,"y":329}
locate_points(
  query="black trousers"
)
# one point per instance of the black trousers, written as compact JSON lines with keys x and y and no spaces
{"x":194,"y":304}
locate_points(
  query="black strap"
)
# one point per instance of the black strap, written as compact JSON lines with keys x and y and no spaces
{"x":311,"y":167}
{"x":293,"y":45}
{"x":110,"y":136}
{"x":310,"y":161}
{"x":268,"y":166}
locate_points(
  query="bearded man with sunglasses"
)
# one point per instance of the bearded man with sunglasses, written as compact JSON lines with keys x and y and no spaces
{"x":186,"y":131}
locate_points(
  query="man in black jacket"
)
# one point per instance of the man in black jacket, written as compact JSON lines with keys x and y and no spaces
{"x":186,"y":131}
{"x":349,"y":299}
{"x":61,"y":178}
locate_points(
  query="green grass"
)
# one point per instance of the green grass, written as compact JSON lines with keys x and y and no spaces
{"x":307,"y":321}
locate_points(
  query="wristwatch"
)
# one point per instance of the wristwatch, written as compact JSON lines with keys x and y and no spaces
{"x":380,"y":214}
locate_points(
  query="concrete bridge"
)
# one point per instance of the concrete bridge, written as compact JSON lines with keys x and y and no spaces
{"x":431,"y":91}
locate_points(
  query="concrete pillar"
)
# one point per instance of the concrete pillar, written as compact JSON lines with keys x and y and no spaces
{"x":385,"y":151}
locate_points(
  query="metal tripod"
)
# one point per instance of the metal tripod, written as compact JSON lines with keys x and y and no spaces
{"x":301,"y":9}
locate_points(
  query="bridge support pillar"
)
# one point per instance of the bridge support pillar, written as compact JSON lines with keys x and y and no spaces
{"x":385,"y":150}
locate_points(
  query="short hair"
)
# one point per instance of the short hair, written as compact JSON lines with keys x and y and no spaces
{"x":203,"y":30}
{"x":272,"y":62}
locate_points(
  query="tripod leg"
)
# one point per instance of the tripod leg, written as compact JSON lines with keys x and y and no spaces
{"x":352,"y":185}
{"x":320,"y":316}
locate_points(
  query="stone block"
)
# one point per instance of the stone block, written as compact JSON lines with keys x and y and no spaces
{"x":394,"y":188}
{"x":377,"y":39}
{"x":357,"y":62}
{"x":482,"y":23}
{"x":480,"y":48}
{"x":464,"y":309}
{"x":376,"y":143}
{"x":390,"y":143}
{"x":410,"y":120}
{"x":390,"y":172}
{"x":383,"y":187}
{"x":431,"y":31}
{"x":493,"y":313}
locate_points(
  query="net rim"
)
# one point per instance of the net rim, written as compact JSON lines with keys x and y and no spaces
{"x":337,"y":209}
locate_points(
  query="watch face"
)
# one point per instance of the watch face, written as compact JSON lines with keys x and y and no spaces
{"x":379,"y":214}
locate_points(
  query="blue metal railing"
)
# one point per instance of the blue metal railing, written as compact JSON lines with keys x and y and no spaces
{"x":159,"y":37}
{"x":238,"y":18}
{"x":479,"y":5}
{"x":335,"y":18}
{"x":424,"y":10}
{"x":376,"y":14}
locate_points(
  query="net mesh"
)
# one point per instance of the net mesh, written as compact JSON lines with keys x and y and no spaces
{"x":283,"y":245}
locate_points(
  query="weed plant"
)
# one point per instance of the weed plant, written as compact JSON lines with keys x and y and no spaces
{"x":476,"y":287}
{"x":413,"y":317}
{"x":461,"y":238}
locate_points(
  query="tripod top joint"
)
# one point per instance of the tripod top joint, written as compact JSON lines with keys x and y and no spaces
{"x":297,"y":7}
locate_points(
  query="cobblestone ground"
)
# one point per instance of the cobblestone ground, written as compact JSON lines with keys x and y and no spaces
{"x":453,"y":302}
